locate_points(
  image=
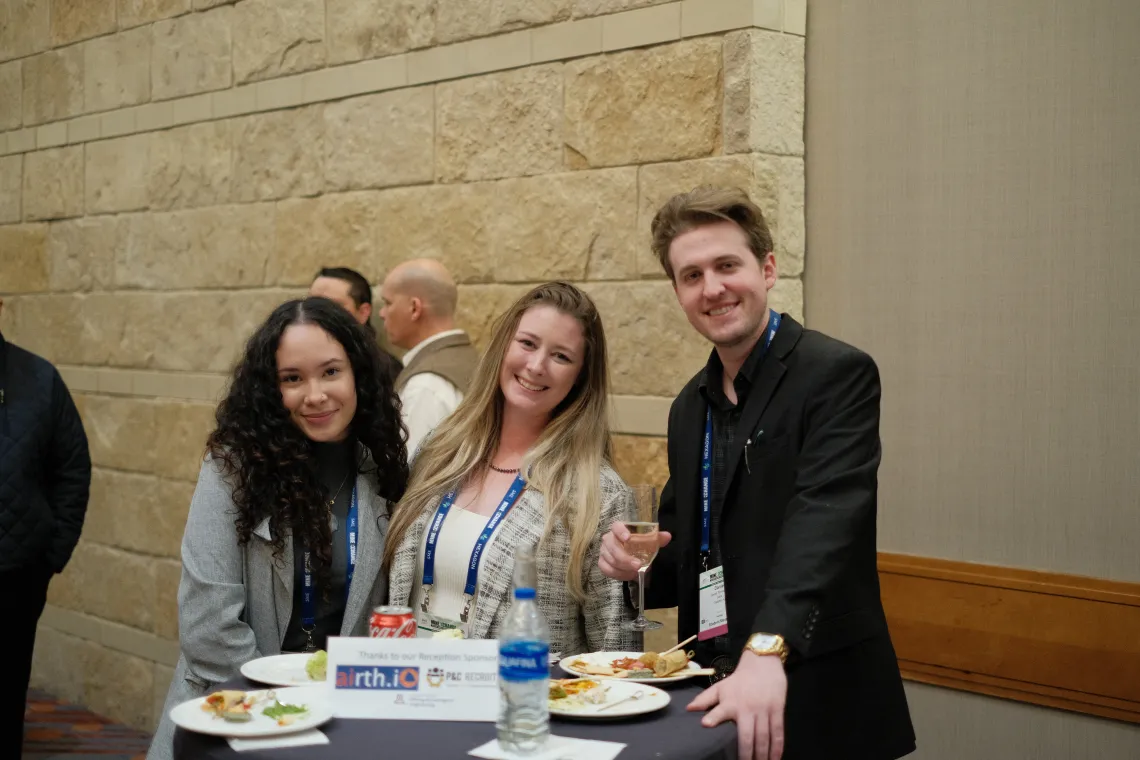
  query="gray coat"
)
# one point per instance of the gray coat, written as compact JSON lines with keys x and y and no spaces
{"x":234,"y":602}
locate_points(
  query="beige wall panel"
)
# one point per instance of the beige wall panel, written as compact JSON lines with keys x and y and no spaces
{"x":951,"y":725}
{"x":972,"y":189}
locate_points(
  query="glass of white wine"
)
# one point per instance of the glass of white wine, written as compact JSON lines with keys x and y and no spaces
{"x":641,"y":521}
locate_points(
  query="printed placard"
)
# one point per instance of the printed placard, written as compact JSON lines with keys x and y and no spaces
{"x":414,"y":679}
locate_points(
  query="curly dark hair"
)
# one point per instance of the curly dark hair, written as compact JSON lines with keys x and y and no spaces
{"x":271,"y":463}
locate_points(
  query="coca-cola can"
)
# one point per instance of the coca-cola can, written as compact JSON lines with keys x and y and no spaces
{"x":391,"y":622}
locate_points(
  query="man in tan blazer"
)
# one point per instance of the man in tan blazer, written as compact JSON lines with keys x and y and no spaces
{"x":418,"y":310}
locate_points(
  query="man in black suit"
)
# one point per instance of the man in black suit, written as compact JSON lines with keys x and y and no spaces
{"x":773,"y":458}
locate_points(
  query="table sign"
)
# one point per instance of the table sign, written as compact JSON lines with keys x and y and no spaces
{"x":414,"y":679}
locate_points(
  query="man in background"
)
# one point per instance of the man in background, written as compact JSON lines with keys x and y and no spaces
{"x":45,"y":480}
{"x":351,"y":290}
{"x":418,"y":310}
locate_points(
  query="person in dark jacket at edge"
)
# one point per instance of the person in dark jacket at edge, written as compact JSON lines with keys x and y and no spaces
{"x":45,"y":480}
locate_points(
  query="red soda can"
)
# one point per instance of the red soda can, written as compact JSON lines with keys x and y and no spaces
{"x":391,"y":622}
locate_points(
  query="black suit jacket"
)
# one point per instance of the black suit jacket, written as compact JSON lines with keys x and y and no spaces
{"x":797,"y":535}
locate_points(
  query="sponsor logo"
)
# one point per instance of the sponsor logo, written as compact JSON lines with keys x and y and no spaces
{"x":378,"y":677}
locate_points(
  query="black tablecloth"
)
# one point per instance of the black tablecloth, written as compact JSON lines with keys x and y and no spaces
{"x":669,"y":734}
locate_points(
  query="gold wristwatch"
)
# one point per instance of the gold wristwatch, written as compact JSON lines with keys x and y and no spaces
{"x":765,"y":644}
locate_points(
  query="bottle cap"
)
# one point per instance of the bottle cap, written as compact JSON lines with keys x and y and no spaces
{"x":524,"y":593}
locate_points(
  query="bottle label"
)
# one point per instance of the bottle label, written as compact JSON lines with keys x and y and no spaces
{"x":524,"y":660}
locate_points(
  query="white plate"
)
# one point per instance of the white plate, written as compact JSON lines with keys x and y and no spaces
{"x":651,"y":700}
{"x":279,"y":670}
{"x":190,"y":715}
{"x":605,"y":658}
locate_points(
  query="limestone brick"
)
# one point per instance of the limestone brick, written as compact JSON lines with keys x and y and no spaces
{"x":200,"y":5}
{"x":24,"y":263}
{"x":360,"y":29}
{"x":272,"y":38}
{"x":584,"y":8}
{"x":279,"y":154}
{"x":116,"y":174}
{"x":641,"y":459}
{"x":138,"y":513}
{"x":790,"y":241}
{"x":82,"y":252}
{"x":43,"y":324}
{"x":564,"y":226}
{"x":445,"y":222}
{"x":171,"y":331}
{"x":53,"y":85}
{"x":137,"y":12}
{"x":167,"y":574}
{"x":480,"y":305}
{"x":788,"y":295}
{"x":465,"y":19}
{"x":57,"y":663}
{"x":191,"y":166}
{"x":11,"y":95}
{"x":53,"y":183}
{"x":116,"y":429}
{"x":218,"y":246}
{"x":11,"y":182}
{"x":108,"y":583}
{"x":191,"y":54}
{"x":73,"y":20}
{"x":99,"y":323}
{"x":116,"y":70}
{"x":25,"y":27}
{"x":499,"y":125}
{"x":181,"y":438}
{"x":657,"y":104}
{"x":764,"y":93}
{"x":118,"y":686}
{"x":309,"y":228}
{"x":163,"y":675}
{"x":380,"y":140}
{"x":653,"y":350}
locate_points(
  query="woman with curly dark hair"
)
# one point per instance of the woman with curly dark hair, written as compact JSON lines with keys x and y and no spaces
{"x":286,"y":528}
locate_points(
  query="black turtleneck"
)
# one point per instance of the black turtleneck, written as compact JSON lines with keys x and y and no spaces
{"x":336,"y":466}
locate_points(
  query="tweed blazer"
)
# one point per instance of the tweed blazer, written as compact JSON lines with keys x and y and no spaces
{"x":574,"y":627}
{"x":234,"y":602}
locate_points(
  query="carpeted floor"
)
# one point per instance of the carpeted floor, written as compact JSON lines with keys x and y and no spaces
{"x":54,"y":729}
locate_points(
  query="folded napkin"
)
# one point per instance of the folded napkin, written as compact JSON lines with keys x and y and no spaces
{"x":299,"y":739}
{"x":557,"y":748}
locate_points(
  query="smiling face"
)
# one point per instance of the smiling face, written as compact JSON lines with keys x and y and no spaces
{"x":317,"y":385}
{"x":542,"y":362}
{"x":720,"y":284}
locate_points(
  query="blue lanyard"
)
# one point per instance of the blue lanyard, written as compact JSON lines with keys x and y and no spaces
{"x":477,"y":552}
{"x":308,"y":603}
{"x":706,"y":450}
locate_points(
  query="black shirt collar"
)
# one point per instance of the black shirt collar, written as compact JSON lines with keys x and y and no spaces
{"x":711,"y":384}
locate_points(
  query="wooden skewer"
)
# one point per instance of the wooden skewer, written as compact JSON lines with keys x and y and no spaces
{"x":677,"y":646}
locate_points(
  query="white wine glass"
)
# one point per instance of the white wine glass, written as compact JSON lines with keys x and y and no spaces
{"x":640,"y":519}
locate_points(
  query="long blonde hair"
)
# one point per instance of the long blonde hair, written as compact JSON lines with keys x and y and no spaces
{"x":564,"y":464}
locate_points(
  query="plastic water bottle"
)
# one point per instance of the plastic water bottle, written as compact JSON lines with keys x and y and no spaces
{"x":524,"y":667}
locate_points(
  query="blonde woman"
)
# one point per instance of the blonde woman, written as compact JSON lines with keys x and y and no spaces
{"x":523,"y":460}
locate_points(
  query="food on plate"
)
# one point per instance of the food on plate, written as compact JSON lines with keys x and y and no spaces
{"x":229,"y":705}
{"x":670,"y":663}
{"x":647,"y":665}
{"x":284,"y":714}
{"x":448,"y":633}
{"x":575,"y":693}
{"x":317,"y":666}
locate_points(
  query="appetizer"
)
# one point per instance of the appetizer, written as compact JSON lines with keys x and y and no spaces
{"x":229,"y":705}
{"x":317,"y":666}
{"x":575,"y":693}
{"x":284,"y":714}
{"x":647,"y":665}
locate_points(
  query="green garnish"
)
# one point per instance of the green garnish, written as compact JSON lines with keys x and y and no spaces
{"x":279,"y":710}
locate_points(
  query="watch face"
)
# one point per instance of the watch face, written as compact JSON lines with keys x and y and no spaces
{"x":762,"y":641}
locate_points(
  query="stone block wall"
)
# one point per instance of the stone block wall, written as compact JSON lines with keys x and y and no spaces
{"x":170,"y":170}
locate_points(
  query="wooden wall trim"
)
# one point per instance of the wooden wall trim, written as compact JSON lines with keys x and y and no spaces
{"x":1051,"y":639}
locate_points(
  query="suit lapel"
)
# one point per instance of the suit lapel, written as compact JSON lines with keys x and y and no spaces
{"x":372,"y":527}
{"x":772,"y":371}
{"x":283,"y":570}
{"x":688,"y":488}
